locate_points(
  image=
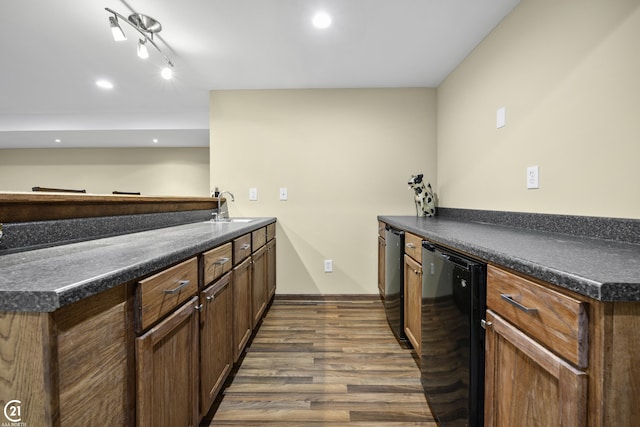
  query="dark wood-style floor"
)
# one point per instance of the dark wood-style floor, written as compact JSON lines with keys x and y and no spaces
{"x":324,"y":363}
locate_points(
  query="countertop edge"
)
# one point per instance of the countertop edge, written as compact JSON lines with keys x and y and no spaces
{"x":606,"y":291}
{"x":51,"y":300}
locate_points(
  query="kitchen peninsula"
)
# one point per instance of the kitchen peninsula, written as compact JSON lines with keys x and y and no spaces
{"x":88,"y":327}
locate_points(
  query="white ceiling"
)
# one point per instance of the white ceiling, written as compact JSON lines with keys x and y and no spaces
{"x":54,"y":51}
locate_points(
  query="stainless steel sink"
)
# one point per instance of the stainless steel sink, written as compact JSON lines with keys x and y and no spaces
{"x":232,"y":220}
{"x":239,"y":219}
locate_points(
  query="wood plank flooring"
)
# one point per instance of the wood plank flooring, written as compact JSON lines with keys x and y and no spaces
{"x":324,"y":363}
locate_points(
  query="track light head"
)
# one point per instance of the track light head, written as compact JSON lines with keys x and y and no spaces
{"x":143,"y":53}
{"x":116,"y":31}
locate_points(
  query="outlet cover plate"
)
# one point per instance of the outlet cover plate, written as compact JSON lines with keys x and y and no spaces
{"x":533,"y":177}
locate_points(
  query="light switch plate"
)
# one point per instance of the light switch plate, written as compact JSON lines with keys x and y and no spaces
{"x":501,"y":117}
{"x":533,"y":177}
{"x":284,"y":194}
{"x":253,"y":194}
{"x":328,"y":266}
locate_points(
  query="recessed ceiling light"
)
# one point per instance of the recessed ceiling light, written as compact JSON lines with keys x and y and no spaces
{"x":57,"y":140}
{"x":104,"y":84}
{"x":166,"y":73}
{"x":155,"y":140}
{"x":321,"y":20}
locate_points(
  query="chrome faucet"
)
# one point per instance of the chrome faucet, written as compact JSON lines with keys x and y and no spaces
{"x":223,"y":213}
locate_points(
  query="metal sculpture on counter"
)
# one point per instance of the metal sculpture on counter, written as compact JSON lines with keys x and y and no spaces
{"x":424,"y":198}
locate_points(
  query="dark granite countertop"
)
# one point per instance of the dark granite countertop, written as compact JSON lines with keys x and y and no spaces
{"x":44,"y":280}
{"x":605,"y":270}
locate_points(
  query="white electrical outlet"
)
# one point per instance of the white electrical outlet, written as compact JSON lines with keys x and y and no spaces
{"x":328,"y":266}
{"x":253,"y":194}
{"x":533,"y":177}
{"x":284,"y":194}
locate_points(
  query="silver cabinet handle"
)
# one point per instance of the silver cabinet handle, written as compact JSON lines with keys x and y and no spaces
{"x":222,"y":261}
{"x":410,"y":245}
{"x":417,"y":272}
{"x":198,"y":307}
{"x":210,"y":298}
{"x":511,"y":301}
{"x":182,"y":284}
{"x":245,"y":246}
{"x":485,"y":324}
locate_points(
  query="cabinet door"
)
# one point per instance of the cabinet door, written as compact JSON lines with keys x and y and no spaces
{"x":241,"y":307}
{"x":413,"y":302}
{"x":166,"y":370}
{"x":216,"y":340}
{"x":271,"y":269}
{"x":258,"y":285}
{"x":526,"y":384}
{"x":381,"y":262}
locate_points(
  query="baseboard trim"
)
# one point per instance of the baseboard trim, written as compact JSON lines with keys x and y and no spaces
{"x":331,"y":297}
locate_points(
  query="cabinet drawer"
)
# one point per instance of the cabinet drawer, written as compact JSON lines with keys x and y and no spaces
{"x":159,"y":294}
{"x":553,"y":319}
{"x":217,"y":262}
{"x":258,"y":238}
{"x":413,"y":246}
{"x":271,"y":231}
{"x":241,"y":248}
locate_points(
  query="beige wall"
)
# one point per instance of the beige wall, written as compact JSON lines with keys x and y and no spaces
{"x":345,"y":157}
{"x":152,"y":171}
{"x":568,"y":73}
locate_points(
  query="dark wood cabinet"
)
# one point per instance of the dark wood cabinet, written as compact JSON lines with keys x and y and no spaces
{"x":167,"y":367}
{"x":154,"y":351}
{"x":242,"y":318}
{"x":258,"y":285}
{"x":413,"y":302}
{"x":528,"y":385}
{"x":382,"y":243}
{"x":271,"y":269}
{"x":216,"y":339}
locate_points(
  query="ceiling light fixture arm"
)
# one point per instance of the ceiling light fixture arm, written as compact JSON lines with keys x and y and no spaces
{"x":143,"y":33}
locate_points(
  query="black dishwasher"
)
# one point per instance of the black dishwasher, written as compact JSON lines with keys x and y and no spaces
{"x":452,"y":362}
{"x":394,"y":281}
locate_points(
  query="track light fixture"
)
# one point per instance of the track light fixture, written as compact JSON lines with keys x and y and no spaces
{"x":118,"y":34}
{"x":142,"y":49}
{"x":147,"y":27}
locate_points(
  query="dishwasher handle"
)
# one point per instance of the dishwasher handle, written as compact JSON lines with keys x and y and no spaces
{"x":457,"y":260}
{"x":428,"y":246}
